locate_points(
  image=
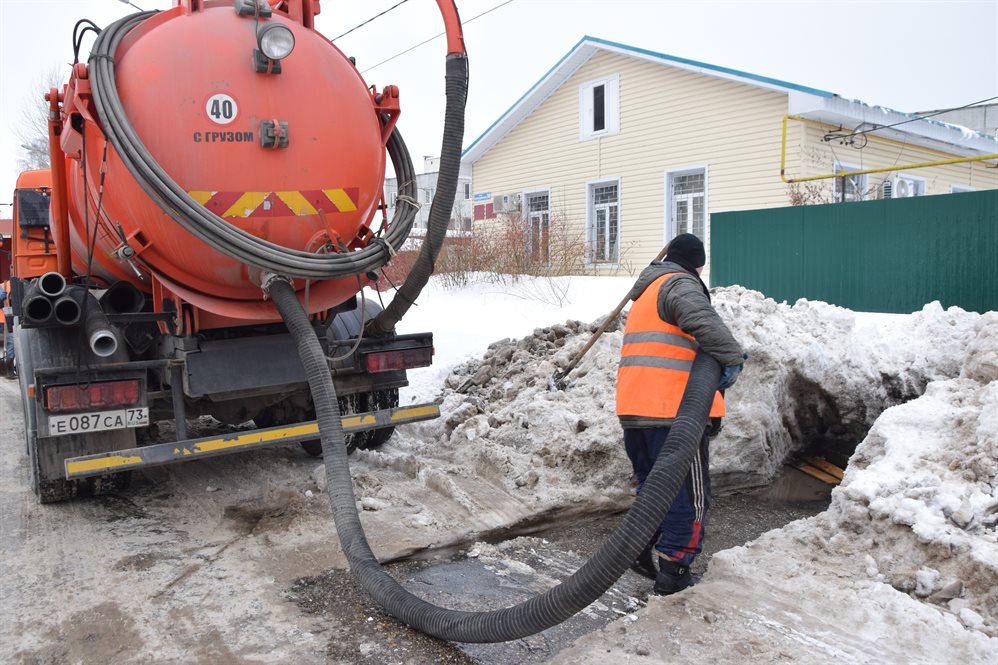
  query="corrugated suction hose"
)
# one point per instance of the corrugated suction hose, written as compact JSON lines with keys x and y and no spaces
{"x":440,"y":210}
{"x":540,"y":612}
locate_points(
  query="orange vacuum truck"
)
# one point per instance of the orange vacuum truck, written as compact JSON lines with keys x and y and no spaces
{"x":201,"y":155}
{"x":214,"y":209}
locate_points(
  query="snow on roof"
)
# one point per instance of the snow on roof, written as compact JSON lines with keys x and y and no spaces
{"x":811,"y":103}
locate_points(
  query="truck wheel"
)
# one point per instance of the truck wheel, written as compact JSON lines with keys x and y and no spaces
{"x":109,"y":484}
{"x":360,"y":403}
{"x":47,"y":490}
{"x":53,"y":488}
{"x":313,"y":447}
{"x":379,"y":399}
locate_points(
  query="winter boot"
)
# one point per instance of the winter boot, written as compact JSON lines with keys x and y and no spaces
{"x":672,"y":577}
{"x":645,"y":563}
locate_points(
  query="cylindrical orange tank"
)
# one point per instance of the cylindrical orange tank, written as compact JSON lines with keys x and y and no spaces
{"x":189,"y":86}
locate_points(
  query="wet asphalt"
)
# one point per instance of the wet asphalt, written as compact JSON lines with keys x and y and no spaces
{"x":358,"y":632}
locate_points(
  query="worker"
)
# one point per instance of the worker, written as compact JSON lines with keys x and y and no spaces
{"x":8,"y":338}
{"x":670,"y":318}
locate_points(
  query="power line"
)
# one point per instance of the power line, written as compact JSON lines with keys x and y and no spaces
{"x":401,"y":53}
{"x":921,"y":117}
{"x":369,"y":20}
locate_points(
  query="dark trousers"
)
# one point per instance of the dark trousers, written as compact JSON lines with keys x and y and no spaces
{"x":684,"y":525}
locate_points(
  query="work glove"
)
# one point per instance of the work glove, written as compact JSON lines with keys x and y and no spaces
{"x":730,"y":374}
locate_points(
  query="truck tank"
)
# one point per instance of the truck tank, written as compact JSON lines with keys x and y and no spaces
{"x":191,"y":88}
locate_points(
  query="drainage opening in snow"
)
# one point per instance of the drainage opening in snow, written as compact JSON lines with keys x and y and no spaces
{"x":811,"y":473}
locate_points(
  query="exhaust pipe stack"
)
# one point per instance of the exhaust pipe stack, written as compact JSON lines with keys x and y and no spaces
{"x":99,"y":333}
{"x":52,"y":284}
{"x":49,"y":301}
{"x":68,"y":307}
{"x":37,"y":307}
{"x":122,"y":298}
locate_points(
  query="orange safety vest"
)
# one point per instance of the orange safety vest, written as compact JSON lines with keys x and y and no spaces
{"x":655,"y":361}
{"x":5,"y":287}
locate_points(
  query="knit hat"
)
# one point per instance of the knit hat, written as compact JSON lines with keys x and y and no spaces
{"x":687,"y":250}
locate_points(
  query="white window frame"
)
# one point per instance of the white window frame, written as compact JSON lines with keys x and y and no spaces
{"x":611,"y":107}
{"x":668,"y":226}
{"x":957,"y":189}
{"x":590,"y":222}
{"x":921,"y":183}
{"x":841,"y":167}
{"x":524,"y":197}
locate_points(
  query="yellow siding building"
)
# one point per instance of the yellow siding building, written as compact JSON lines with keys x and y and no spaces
{"x":626,"y":148}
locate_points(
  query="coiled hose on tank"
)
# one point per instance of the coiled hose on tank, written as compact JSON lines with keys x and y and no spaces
{"x":540,"y":612}
{"x":206,"y":225}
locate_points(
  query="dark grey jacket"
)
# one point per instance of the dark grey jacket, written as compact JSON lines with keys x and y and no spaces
{"x":682,"y":302}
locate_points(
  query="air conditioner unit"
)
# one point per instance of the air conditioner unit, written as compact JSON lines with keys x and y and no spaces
{"x":902,"y":188}
{"x":506,"y":203}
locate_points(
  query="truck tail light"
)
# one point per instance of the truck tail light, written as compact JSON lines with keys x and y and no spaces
{"x":103,"y":394}
{"x":387,"y":361}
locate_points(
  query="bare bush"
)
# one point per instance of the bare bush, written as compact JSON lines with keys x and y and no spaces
{"x":808,"y":193}
{"x":511,"y":247}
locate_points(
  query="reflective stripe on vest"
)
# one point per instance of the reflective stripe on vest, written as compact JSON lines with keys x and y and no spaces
{"x":655,"y":361}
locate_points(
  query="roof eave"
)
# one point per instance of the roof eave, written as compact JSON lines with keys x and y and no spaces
{"x":850,"y":115}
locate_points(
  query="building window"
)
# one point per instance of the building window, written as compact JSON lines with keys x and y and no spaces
{"x":848,"y":188}
{"x":429,"y":195}
{"x":539,"y":228}
{"x":599,"y":108}
{"x":603,"y":228}
{"x":394,"y":197}
{"x":686,"y":203}
{"x":467,"y":191}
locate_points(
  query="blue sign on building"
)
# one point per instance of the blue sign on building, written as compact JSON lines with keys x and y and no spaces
{"x":483,"y":196}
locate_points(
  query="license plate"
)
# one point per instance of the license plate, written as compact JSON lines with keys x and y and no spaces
{"x":98,"y":421}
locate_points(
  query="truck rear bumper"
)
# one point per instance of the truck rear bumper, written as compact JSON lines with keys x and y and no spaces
{"x":194,"y":449}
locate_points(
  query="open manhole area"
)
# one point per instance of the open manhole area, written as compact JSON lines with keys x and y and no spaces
{"x":488,"y":577}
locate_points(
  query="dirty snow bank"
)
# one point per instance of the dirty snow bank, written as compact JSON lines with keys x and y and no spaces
{"x":509,"y":451}
{"x":821,"y":373}
{"x":816,"y":372}
{"x":903,"y":566}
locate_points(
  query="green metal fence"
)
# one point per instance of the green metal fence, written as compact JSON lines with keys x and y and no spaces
{"x":871,"y":256}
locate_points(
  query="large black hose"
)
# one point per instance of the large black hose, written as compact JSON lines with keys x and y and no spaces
{"x":443,"y":201}
{"x":532,"y":616}
{"x":209,"y":227}
{"x":542,"y":611}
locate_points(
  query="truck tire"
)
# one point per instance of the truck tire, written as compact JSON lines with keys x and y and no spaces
{"x":360,"y":403}
{"x":47,"y":490}
{"x":379,"y":399}
{"x":50,"y":488}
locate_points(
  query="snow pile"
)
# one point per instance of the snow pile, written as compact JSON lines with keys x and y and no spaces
{"x":920,"y":496}
{"x":903,"y":566}
{"x":815,"y":373}
{"x":911,"y":531}
{"x":821,"y":373}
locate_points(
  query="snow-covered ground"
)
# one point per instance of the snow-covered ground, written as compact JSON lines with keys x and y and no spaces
{"x":903,"y":567}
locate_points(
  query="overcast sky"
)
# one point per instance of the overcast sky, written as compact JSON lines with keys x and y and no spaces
{"x":907,"y":55}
